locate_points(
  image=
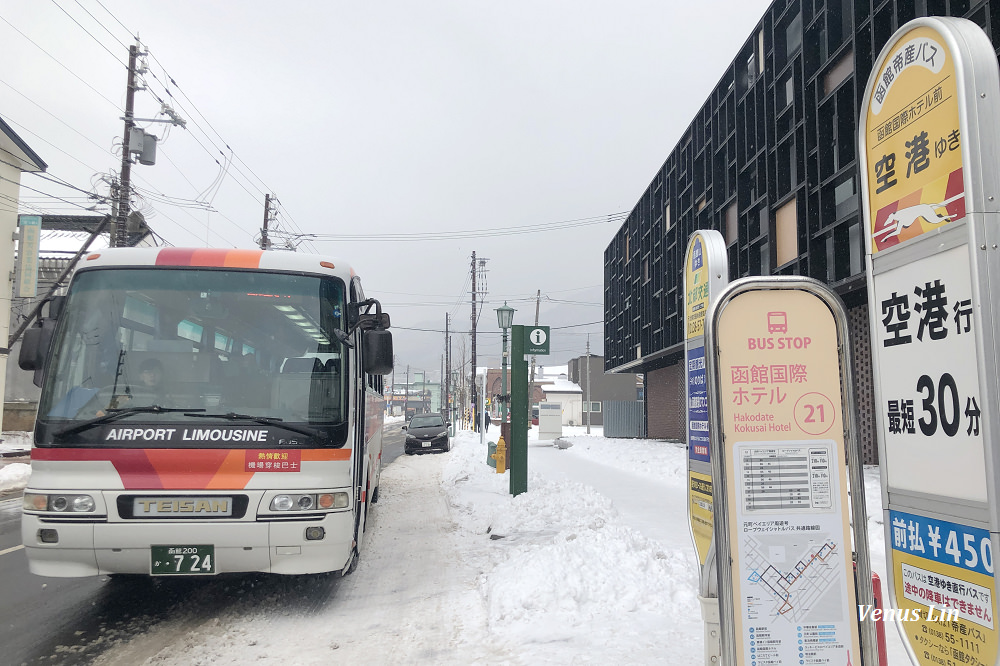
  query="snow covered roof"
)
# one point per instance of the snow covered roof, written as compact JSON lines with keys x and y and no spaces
{"x":561,"y":385}
{"x":63,"y":243}
{"x":550,"y":372}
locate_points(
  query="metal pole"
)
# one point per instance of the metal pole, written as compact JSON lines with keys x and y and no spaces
{"x":503,"y":380}
{"x":588,"y":384}
{"x":517,"y":450}
{"x":472,"y":388}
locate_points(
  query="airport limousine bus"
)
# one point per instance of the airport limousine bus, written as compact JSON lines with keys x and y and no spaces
{"x":202,"y":412}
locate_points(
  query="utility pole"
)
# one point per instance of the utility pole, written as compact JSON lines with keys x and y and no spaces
{"x":587,"y":399}
{"x":406,"y":400}
{"x":473,"y":383}
{"x":265,"y":244}
{"x":447,"y":369}
{"x":119,"y":229}
{"x":392,"y":389}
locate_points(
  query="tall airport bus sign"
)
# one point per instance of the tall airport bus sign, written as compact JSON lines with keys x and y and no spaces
{"x":930,"y":210}
{"x":706,"y":273}
{"x":784,"y":460}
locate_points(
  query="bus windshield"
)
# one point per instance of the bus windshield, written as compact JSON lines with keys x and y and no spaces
{"x":159,"y":347}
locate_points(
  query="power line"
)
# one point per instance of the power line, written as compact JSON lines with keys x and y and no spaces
{"x":89,"y":33}
{"x":59,"y":62}
{"x":98,"y":22}
{"x":54,"y":116}
{"x":113,"y":16}
{"x":473,"y":233}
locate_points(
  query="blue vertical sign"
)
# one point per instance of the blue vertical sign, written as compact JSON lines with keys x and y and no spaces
{"x":697,"y":405}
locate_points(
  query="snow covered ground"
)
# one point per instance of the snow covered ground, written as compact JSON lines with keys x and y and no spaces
{"x":594,"y":564}
{"x":14,"y":475}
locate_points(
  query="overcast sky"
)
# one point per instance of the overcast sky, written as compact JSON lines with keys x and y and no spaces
{"x":382,"y":118}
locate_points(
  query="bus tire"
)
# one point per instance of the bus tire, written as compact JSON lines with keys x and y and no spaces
{"x":375,"y":494}
{"x":349,"y":569}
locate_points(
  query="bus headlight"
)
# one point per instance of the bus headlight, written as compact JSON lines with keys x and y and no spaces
{"x":293,"y":503}
{"x":310,"y":502}
{"x":58,"y":503}
{"x":281,"y":503}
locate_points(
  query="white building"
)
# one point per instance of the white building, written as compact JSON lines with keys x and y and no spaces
{"x":567,"y":394}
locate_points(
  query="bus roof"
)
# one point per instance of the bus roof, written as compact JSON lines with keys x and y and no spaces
{"x":218,"y":258}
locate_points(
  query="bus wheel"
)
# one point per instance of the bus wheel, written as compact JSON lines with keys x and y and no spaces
{"x":349,"y":569}
{"x":375,"y":494}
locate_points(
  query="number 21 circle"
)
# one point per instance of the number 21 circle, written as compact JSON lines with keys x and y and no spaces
{"x":815,"y":413}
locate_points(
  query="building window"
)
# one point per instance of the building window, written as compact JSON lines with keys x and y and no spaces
{"x":793,"y":36}
{"x":760,"y":51}
{"x":702,"y":203}
{"x":856,"y":241}
{"x":836,"y":75}
{"x":732,"y":224}
{"x":786,"y":233}
{"x":645,"y":270}
{"x":666,"y":217}
{"x":788,"y":90}
{"x":594,"y":407}
{"x":845,"y":197}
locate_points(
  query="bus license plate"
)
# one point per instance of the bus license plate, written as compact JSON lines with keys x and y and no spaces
{"x":185,"y":560}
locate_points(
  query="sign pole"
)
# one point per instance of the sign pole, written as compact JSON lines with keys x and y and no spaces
{"x":532,"y":340}
{"x":706,"y":273}
{"x":518,"y":413}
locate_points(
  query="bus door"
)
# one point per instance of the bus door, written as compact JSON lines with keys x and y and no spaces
{"x":360,"y":449}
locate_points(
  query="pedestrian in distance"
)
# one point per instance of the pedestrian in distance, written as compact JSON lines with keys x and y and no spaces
{"x":488,"y":421}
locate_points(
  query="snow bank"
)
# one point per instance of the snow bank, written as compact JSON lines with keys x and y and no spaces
{"x":560,"y":569}
{"x":14,"y":476}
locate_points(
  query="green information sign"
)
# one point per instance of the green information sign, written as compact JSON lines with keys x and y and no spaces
{"x":536,"y":340}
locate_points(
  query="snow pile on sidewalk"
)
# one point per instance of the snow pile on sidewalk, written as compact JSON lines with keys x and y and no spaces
{"x":14,"y":475}
{"x":562,"y":578}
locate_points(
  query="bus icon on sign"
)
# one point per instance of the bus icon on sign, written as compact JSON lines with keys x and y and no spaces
{"x":777,"y":322}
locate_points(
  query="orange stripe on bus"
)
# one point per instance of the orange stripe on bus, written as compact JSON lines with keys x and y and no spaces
{"x":243,"y":258}
{"x":231,"y":473}
{"x":322,"y":455}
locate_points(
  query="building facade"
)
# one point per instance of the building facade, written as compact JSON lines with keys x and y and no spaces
{"x":599,"y":387}
{"x":770,"y":161}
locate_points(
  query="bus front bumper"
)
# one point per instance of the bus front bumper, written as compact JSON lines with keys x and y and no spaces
{"x":281,"y":547}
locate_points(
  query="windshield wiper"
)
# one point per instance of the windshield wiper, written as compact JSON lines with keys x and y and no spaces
{"x":113,"y":415}
{"x":264,"y":420}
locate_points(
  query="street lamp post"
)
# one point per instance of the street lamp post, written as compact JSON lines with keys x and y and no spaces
{"x":505,"y":317}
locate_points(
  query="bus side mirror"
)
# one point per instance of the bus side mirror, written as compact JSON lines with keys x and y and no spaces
{"x":35,"y":348}
{"x":376,"y":349}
